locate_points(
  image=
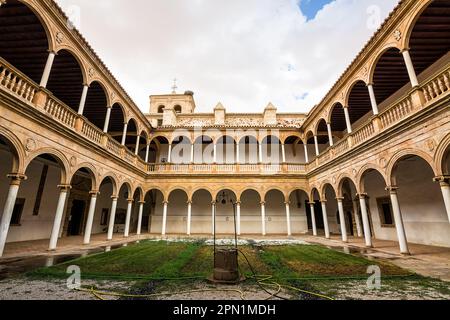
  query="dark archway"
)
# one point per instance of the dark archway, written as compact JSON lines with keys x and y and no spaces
{"x":359,"y":104}
{"x":96,"y":105}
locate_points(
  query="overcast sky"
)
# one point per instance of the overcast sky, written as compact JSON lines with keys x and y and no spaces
{"x":242,"y":53}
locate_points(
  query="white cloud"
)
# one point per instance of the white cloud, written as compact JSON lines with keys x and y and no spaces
{"x":243,"y":53}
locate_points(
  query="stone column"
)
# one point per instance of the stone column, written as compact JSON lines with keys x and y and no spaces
{"x":401,"y":234}
{"x":112,"y":217}
{"x":147,"y":152}
{"x":445,"y":188}
{"x":238,"y":153}
{"x":357,"y":219}
{"x":325,"y":219}
{"x":90,"y":218}
{"x":141,"y":211}
{"x":313,"y":218}
{"x":410,"y":67}
{"x":365,"y":218}
{"x":215,"y":153}
{"x":330,"y":134}
{"x":373,"y":100}
{"x":238,"y":217}
{"x":58,"y":216}
{"x":169,"y":154}
{"x":260,"y":152}
{"x":305,"y":146}
{"x":128,"y":218}
{"x":47,"y":69}
{"x":164,"y":221}
{"x":138,"y":143}
{"x":316,"y":144}
{"x":8,"y":209}
{"x":263,"y":217}
{"x":83,"y":99}
{"x":108,"y":117}
{"x":124,"y":135}
{"x":283,"y":152}
{"x":342,"y":219}
{"x":189,"y":217}
{"x":192,"y":153}
{"x":347,"y":120}
{"x":288,"y":218}
{"x":213,"y":217}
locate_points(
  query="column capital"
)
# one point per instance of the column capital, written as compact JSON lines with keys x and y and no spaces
{"x":443,"y":180}
{"x":311,"y":203}
{"x":65,"y":187}
{"x":288,"y":203}
{"x":94,"y":193}
{"x":340,"y":199}
{"x":189,"y":202}
{"x":263,"y":203}
{"x":213,"y":203}
{"x":392,"y":189}
{"x":114,"y":198}
{"x":362,"y":195}
{"x":141,"y":202}
{"x":130,"y":200}
{"x":323,"y":201}
{"x":238,"y":202}
{"x":16,"y":178}
{"x":165,"y":202}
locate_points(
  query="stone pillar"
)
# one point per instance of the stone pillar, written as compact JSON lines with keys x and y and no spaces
{"x":313,"y":218}
{"x":213,"y":217}
{"x":288,"y":218}
{"x":365,"y":218}
{"x":112,"y":217}
{"x":83,"y":99}
{"x":215,"y":153}
{"x":8,"y":209}
{"x":108,"y":117}
{"x":316,"y":144}
{"x":283,"y":152}
{"x":330,"y":134}
{"x":325,"y":219}
{"x":373,"y":100}
{"x":238,"y":217}
{"x":401,"y":234}
{"x":347,"y":120}
{"x":342,"y":219}
{"x":445,"y":188}
{"x":410,"y":67}
{"x":357,"y":219}
{"x":124,"y":134}
{"x":260,"y":152}
{"x":47,"y":69}
{"x":169,"y":154}
{"x":164,"y":221}
{"x":128,"y":218}
{"x":189,"y":217}
{"x":238,"y":153}
{"x":58,"y":216}
{"x":192,"y":153}
{"x":90,"y":218}
{"x":141,"y":211}
{"x":305,"y":146}
{"x":138,"y":143}
{"x":147,"y":152}
{"x":263,"y":218}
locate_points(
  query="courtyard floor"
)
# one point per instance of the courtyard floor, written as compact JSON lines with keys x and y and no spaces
{"x":327,"y":267}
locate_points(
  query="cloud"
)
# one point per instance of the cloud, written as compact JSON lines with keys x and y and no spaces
{"x":244,"y":53}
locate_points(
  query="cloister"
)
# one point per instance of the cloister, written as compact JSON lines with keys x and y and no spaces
{"x":78,"y":157}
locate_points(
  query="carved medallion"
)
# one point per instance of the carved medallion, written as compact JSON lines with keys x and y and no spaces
{"x":431,"y":144}
{"x":30,"y":145}
{"x":383,"y":162}
{"x":73,"y":162}
{"x":91,"y":72}
{"x":59,"y":37}
{"x":397,"y":35}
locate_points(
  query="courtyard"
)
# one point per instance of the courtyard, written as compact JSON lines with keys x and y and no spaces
{"x":299,"y":268}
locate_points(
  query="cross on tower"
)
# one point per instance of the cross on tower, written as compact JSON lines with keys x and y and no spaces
{"x":174,"y":88}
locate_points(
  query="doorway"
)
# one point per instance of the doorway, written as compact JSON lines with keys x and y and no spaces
{"x":76,"y":217}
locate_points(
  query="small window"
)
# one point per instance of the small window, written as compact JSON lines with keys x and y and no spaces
{"x":17,"y":212}
{"x":385,"y":211}
{"x":177,"y":109}
{"x":161,"y":109}
{"x":160,"y":122}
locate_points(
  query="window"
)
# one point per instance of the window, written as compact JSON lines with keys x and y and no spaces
{"x":104,"y":217}
{"x":17,"y":212}
{"x":177,"y":109}
{"x":161,"y":109}
{"x":385,"y":211}
{"x":160,"y":122}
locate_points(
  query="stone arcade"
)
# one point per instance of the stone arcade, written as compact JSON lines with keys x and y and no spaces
{"x":78,"y":158}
